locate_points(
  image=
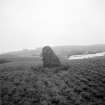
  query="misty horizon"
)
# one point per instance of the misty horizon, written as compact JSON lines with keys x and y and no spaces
{"x":28,"y":24}
{"x":52,"y":46}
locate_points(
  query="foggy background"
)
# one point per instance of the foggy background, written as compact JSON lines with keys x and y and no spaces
{"x":35,"y":23}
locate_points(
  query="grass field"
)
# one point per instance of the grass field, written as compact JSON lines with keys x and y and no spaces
{"x":24,"y":81}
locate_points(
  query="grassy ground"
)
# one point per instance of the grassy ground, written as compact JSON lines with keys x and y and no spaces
{"x":78,"y":82}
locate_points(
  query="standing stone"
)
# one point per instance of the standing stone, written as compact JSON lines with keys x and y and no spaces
{"x":49,"y":58}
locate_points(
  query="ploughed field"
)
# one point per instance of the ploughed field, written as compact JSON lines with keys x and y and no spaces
{"x":76,"y":82}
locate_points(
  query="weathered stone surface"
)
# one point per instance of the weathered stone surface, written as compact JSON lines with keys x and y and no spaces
{"x":49,"y":57}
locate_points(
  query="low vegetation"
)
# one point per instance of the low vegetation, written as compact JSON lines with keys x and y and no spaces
{"x":80,"y":82}
{"x":4,"y":61}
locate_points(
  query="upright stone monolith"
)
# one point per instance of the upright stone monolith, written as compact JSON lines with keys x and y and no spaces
{"x":49,"y":57}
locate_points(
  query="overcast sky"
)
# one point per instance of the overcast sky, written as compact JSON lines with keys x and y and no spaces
{"x":34,"y":23}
